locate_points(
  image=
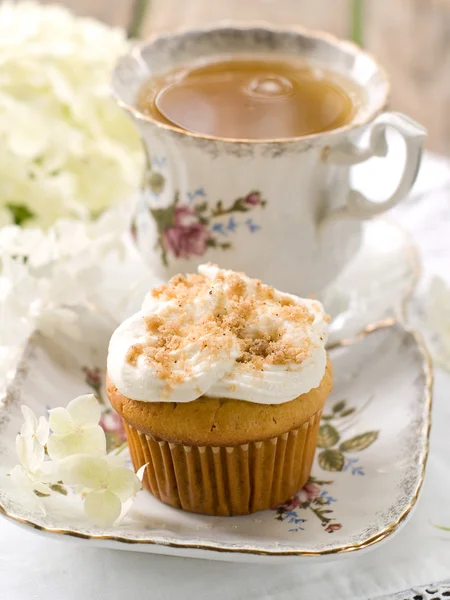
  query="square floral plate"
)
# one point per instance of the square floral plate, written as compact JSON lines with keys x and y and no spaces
{"x":366,"y":477}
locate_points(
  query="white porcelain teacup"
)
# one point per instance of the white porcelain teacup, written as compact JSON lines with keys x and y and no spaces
{"x":280,"y":210}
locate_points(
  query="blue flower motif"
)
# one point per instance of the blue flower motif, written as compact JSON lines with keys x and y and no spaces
{"x":218,"y":228}
{"x":291,"y":514}
{"x":232,"y":224}
{"x":355,"y":469}
{"x":252,"y":226}
{"x":199,"y":192}
{"x":328,"y":499}
{"x":299,"y":528}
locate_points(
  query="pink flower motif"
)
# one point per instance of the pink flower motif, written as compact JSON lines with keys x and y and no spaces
{"x":184,"y":215}
{"x":290,"y":504}
{"x":302,"y":496}
{"x":112,"y":423}
{"x":187,"y":236}
{"x":308,"y":493}
{"x":184,"y":241}
{"x":312,"y":490}
{"x":333,"y":527}
{"x":254,"y":198}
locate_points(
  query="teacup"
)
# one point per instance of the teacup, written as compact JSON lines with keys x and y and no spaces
{"x":281,"y":210}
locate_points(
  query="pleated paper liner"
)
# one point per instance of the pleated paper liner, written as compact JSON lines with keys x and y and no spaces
{"x":227,"y":480}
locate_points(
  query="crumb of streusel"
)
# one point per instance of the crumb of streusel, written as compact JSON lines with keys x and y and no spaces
{"x":221,"y":326}
{"x":133,"y":354}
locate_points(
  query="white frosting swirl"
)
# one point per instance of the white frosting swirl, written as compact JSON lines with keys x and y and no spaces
{"x":210,"y":359}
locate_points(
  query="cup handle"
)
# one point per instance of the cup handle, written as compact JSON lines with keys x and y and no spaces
{"x":358,"y":206}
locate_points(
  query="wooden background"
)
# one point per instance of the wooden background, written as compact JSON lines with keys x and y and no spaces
{"x":410,"y":37}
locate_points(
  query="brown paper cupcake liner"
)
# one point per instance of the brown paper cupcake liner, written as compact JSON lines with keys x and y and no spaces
{"x":230,"y":480}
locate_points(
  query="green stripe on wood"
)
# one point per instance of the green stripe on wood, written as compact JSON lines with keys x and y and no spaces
{"x":357,"y":21}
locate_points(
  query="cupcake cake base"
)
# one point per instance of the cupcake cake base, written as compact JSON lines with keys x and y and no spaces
{"x":226,"y":480}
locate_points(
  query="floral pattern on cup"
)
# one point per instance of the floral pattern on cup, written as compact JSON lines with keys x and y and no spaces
{"x":190,"y":229}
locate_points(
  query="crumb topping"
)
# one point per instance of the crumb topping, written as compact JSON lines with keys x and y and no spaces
{"x":133,"y":354}
{"x":200,"y":314}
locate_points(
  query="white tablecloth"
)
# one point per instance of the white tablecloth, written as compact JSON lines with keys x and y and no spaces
{"x":33,"y":567}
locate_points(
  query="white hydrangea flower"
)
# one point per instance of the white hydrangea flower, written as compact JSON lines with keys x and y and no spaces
{"x":29,"y":303}
{"x":30,"y":442}
{"x":106,"y":486}
{"x":438,"y":316}
{"x":9,"y":358}
{"x":24,"y":487}
{"x":46,"y":276}
{"x":76,"y":429}
{"x":29,"y":479}
{"x":24,"y":243}
{"x":77,"y":458}
{"x":14,"y":326}
{"x":72,"y":151}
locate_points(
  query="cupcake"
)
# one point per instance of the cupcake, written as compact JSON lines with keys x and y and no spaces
{"x":220,"y":381}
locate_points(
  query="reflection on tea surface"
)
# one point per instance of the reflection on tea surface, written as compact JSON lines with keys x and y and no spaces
{"x":250,"y":98}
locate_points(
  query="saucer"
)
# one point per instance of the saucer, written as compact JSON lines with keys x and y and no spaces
{"x":366,"y":477}
{"x":375,"y":284}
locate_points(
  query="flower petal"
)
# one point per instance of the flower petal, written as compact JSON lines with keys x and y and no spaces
{"x":49,"y":472}
{"x":86,"y":440}
{"x":123,"y":482}
{"x":23,"y":488}
{"x":83,"y":470}
{"x":102,"y":508}
{"x":19,"y":476}
{"x":140,"y":472}
{"x":42,"y":431}
{"x":41,"y":488}
{"x":23,"y":449}
{"x":116,"y":460}
{"x":30,"y":452}
{"x":30,"y":421}
{"x":85,"y":410}
{"x":59,"y":420}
